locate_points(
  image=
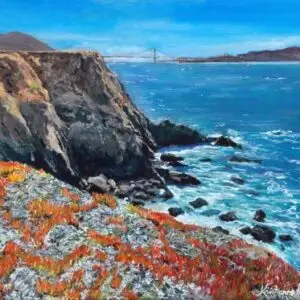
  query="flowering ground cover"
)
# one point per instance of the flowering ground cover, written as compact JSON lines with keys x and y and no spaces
{"x":61,"y":242}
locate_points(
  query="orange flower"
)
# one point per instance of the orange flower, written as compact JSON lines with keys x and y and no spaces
{"x":129,"y":295}
{"x":116,"y":281}
{"x":100,"y":255}
{"x":162,"y":219}
{"x":105,"y":240}
{"x":72,"y":196}
{"x":106,"y":199}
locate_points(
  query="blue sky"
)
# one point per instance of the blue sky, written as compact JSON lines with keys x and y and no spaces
{"x":175,"y":27}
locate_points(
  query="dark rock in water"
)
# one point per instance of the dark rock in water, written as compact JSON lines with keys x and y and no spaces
{"x":241,"y":159}
{"x":228,"y":217}
{"x":176,"y":164}
{"x":237,"y":180}
{"x":260,"y":216}
{"x":175,"y":211}
{"x":163,"y":172}
{"x":251,"y":192}
{"x":167,"y":133}
{"x":277,"y":132}
{"x":177,"y":177}
{"x":221,"y":229}
{"x":182,"y":179}
{"x":263,"y":233}
{"x":167,"y":194}
{"x":246,"y":230}
{"x":224,"y":142}
{"x":199,"y":202}
{"x":142,"y":189}
{"x":205,"y":160}
{"x":152,"y":191}
{"x":210,"y":212}
{"x":141,"y":195}
{"x":285,"y":237}
{"x":99,"y":183}
{"x":169,"y":157}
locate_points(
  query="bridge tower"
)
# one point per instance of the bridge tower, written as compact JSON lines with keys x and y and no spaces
{"x":154,"y":56}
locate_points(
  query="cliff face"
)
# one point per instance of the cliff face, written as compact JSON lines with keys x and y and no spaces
{"x":67,"y":113}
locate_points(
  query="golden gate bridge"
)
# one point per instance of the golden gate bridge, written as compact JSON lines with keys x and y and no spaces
{"x":148,"y":54}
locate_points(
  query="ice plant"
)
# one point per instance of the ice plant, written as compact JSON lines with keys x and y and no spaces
{"x":129,"y":294}
{"x":222,"y":270}
{"x":68,"y":194}
{"x":106,"y":199}
{"x":105,"y":240}
{"x":116,"y":281}
{"x":161,"y":218}
{"x":100,"y":255}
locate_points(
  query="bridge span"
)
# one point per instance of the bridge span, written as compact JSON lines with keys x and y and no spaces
{"x":148,"y":54}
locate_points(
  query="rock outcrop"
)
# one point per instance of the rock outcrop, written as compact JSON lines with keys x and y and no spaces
{"x":167,"y":134}
{"x":67,"y":113}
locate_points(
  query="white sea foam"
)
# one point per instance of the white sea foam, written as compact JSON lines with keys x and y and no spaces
{"x":279,"y":133}
{"x":295,"y":161}
{"x":274,"y":78}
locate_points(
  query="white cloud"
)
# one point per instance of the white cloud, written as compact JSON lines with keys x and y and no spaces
{"x":179,"y":39}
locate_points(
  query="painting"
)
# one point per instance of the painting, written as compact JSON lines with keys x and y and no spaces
{"x":150,"y":149}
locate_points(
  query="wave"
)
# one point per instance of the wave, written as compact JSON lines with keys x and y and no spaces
{"x":274,"y":78}
{"x":279,"y":133}
{"x":294,"y":161}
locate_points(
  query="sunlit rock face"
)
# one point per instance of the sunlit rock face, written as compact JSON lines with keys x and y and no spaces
{"x":67,"y":113}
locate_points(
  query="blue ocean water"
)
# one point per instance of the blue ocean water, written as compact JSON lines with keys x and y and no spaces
{"x":257,"y":105}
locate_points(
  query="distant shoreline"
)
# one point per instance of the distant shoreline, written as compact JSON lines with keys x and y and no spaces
{"x":294,"y":62}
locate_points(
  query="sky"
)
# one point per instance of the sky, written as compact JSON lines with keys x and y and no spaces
{"x":174,"y":27}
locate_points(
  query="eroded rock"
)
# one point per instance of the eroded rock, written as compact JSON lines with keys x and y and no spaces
{"x":176,"y":211}
{"x":263,"y":233}
{"x":224,"y":141}
{"x":182,"y":179}
{"x":167,"y":133}
{"x":198,"y":203}
{"x":221,"y":229}
{"x":237,"y":180}
{"x":169,"y":157}
{"x":99,"y":183}
{"x":246,"y":230}
{"x":228,"y":217}
{"x":285,"y":237}
{"x":241,"y":159}
{"x":259,"y":216}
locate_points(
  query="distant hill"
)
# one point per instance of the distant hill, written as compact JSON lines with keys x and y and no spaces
{"x":287,"y":54}
{"x":17,"y":41}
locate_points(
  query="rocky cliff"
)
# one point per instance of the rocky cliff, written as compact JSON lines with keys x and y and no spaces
{"x":67,"y":113}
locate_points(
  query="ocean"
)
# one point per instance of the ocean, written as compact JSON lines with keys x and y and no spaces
{"x":257,"y":105}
